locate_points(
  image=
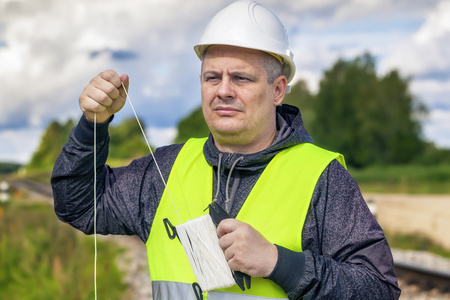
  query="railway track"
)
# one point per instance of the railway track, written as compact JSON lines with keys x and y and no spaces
{"x":425,"y":278}
{"x":28,"y":191}
{"x":40,"y":188}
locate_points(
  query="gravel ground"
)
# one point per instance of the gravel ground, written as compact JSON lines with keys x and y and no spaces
{"x":423,"y":259}
{"x":133,"y":262}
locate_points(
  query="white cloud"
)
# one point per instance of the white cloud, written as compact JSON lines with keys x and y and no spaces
{"x":317,"y":52}
{"x":46,"y":64}
{"x":427,"y":52}
{"x":437,"y":129}
{"x":437,"y":25}
{"x":50,"y":49}
{"x":19,"y":145}
{"x":47,"y":57}
{"x":161,"y":136}
{"x":433,"y":93}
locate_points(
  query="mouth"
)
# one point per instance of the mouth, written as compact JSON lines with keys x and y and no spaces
{"x":226,"y":110}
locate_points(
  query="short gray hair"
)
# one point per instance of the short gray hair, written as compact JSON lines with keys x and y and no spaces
{"x":273,"y":67}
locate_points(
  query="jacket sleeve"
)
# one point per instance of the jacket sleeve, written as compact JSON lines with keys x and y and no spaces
{"x":127,"y":197}
{"x":345,"y":254}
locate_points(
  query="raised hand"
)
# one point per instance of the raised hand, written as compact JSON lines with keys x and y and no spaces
{"x":104,"y":95}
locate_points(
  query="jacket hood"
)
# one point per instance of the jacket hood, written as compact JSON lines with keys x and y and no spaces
{"x":291,"y":131}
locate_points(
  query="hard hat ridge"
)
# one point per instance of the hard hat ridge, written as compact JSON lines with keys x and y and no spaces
{"x":248,"y":24}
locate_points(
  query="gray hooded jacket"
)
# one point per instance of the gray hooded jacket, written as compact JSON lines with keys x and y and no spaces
{"x":345,"y":254}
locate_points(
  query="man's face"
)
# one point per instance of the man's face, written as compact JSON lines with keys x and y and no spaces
{"x":237,"y":101}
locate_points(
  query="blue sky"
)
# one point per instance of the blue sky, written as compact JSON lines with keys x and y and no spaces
{"x":50,"y":49}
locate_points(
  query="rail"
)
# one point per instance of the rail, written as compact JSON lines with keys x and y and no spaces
{"x":425,"y":278}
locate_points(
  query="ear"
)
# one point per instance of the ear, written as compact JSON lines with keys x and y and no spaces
{"x":279,"y":88}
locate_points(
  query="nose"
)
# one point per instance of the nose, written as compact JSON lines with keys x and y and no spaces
{"x":225,"y":89}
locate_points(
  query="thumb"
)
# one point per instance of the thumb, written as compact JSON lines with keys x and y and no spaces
{"x":126,"y":80}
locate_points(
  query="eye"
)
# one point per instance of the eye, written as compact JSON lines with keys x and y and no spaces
{"x":211,"y":78}
{"x":242,"y":78}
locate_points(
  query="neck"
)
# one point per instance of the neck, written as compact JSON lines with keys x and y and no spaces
{"x":236,"y":145}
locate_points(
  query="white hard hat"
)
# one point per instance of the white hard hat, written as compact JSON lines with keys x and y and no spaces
{"x":248,"y":24}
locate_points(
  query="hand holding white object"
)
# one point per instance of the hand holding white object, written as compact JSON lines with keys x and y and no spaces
{"x":246,"y":249}
{"x":104,"y":95}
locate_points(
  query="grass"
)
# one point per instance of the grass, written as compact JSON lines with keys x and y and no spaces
{"x":42,"y":258}
{"x":415,"y":242}
{"x":407,"y":179}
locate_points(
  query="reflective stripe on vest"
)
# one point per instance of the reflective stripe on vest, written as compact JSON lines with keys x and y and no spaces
{"x":181,"y":290}
{"x":290,"y":179}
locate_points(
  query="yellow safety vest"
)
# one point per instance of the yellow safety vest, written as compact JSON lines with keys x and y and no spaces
{"x":276,"y":207}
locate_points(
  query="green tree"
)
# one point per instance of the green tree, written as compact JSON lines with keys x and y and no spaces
{"x":126,"y":143}
{"x":126,"y":140}
{"x":192,"y":126}
{"x":8,"y":167}
{"x":301,"y":97}
{"x":52,"y":141}
{"x":367,"y":118}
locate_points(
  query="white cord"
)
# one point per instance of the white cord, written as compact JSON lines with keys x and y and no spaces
{"x":95,"y":206}
{"x":199,"y":240}
{"x":201,"y":244}
{"x":151,"y":152}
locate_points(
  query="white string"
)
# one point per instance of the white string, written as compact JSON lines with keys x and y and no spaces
{"x":95,"y":206}
{"x":201,"y":244}
{"x":199,"y":240}
{"x":151,"y":152}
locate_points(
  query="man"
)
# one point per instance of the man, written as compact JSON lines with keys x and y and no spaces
{"x":299,"y":225}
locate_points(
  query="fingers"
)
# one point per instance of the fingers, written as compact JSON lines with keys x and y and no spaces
{"x":104,"y":95}
{"x":227,"y":226}
{"x":245,"y":249}
{"x":233,"y":237}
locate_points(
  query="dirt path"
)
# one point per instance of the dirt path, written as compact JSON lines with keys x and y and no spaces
{"x":133,"y":262}
{"x":424,"y":214}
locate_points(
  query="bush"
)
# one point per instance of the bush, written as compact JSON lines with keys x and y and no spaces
{"x":42,"y":258}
